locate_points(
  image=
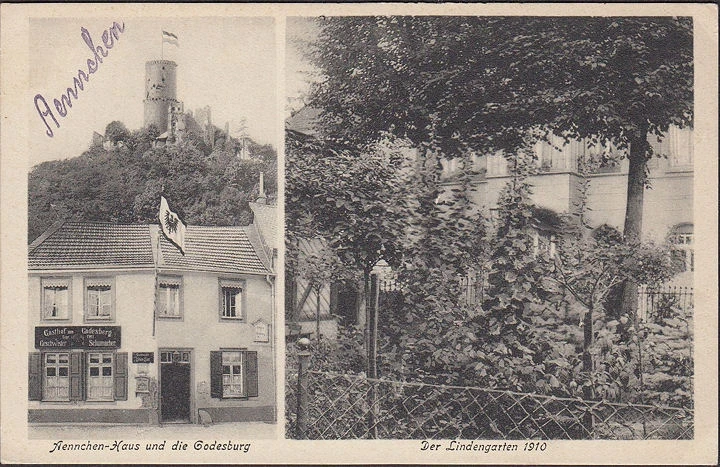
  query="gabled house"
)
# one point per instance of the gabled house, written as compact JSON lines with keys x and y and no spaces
{"x":124,"y":328}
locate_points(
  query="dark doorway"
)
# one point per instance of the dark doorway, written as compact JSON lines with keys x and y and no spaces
{"x":175,"y":386}
{"x":346,"y":303}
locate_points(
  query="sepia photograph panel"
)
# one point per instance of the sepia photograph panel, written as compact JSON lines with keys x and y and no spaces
{"x":152,"y":229}
{"x":489,"y":228}
{"x":358,"y":233}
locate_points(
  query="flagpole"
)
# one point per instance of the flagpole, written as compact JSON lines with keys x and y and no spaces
{"x":157,"y":260}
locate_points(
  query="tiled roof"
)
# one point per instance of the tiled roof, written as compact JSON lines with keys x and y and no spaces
{"x":266,"y":220}
{"x":227,"y":249}
{"x":303,"y":121}
{"x":75,"y":244}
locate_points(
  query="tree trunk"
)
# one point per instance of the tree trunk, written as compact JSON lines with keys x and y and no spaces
{"x":588,"y":392}
{"x":636,"y":187}
{"x":632,"y":230}
{"x":587,"y":342}
{"x":366,"y":313}
{"x":318,"y":288}
{"x":372,"y":302}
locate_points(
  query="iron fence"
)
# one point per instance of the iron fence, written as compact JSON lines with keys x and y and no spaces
{"x":322,"y":405}
{"x":664,"y":301}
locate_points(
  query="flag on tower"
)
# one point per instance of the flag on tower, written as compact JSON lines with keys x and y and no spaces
{"x":171,"y":225}
{"x":170,"y":38}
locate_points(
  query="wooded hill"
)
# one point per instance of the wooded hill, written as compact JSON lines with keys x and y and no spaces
{"x":121,"y":181}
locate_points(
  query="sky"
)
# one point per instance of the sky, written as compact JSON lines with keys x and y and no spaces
{"x":227,"y":63}
{"x":299,"y":72}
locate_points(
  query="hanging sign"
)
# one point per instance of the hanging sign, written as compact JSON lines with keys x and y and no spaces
{"x":77,"y":337}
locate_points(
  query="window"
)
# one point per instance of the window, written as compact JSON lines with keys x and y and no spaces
{"x":99,"y":299}
{"x":77,"y":376}
{"x":175,"y":356}
{"x":55,"y":299}
{"x":234,"y":374}
{"x":231,"y":299}
{"x":100,"y":382}
{"x":56,"y":384}
{"x":169,"y":297}
{"x":543,"y":243}
{"x":679,"y":146}
{"x":681,"y":238}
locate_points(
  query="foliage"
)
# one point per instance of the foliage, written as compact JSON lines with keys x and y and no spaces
{"x":353,"y":200}
{"x":442,"y":337}
{"x":123,"y":184}
{"x":322,"y":267}
{"x":485,"y":83}
{"x":116,"y":132}
{"x":667,"y":339}
{"x":344,"y":353}
{"x":395,"y":73}
{"x":528,"y":334}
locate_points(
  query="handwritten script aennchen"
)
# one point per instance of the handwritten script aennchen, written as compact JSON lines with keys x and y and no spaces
{"x":109,"y":36}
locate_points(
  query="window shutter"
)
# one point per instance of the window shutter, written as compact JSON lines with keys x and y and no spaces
{"x":121,"y":376}
{"x":251,"y":373}
{"x":76,"y":376}
{"x":216,"y":386}
{"x":34,"y":376}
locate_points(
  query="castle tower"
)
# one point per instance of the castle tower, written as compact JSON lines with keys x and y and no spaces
{"x":160,"y":92}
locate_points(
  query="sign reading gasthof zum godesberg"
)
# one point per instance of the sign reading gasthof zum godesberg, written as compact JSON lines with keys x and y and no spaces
{"x":77,"y":337}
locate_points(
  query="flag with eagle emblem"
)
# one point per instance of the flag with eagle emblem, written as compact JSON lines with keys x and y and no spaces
{"x":171,"y":225}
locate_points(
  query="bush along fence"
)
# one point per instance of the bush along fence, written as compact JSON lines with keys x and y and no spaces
{"x":324,"y":405}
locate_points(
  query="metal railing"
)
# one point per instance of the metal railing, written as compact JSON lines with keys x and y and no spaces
{"x":664,"y":301}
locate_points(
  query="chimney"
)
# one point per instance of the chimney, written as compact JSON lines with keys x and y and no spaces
{"x":262,"y":199}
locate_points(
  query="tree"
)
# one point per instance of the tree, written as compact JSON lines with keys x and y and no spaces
{"x":124,"y":184}
{"x":485,"y":83}
{"x":116,"y":132}
{"x":353,"y":201}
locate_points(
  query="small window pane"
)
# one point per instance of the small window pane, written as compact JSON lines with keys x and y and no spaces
{"x":226,"y":369}
{"x":63,"y":371}
{"x":50,"y":371}
{"x":99,"y":384}
{"x":63,"y":358}
{"x":231,"y":356}
{"x":231,"y":300}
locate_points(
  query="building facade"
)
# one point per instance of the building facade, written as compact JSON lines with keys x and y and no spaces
{"x":667,"y":204}
{"x":123,"y":328}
